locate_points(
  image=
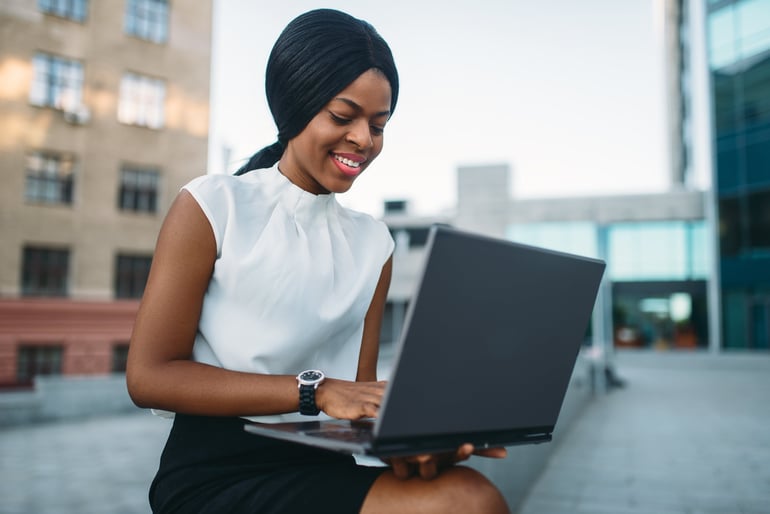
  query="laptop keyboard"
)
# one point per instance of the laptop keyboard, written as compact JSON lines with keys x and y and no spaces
{"x":353,"y":434}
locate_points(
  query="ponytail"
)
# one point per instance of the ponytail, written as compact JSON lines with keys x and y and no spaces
{"x":264,"y":158}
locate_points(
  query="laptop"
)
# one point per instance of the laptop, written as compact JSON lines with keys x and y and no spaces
{"x":488,"y":347}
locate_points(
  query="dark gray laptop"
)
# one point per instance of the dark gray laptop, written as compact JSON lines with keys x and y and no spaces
{"x":489,"y":343}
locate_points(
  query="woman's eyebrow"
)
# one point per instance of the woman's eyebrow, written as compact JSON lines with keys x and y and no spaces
{"x":358,"y":108}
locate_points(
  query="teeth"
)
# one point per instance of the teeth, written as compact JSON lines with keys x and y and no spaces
{"x":347,"y":162}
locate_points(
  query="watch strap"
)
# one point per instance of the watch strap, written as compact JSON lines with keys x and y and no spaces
{"x":307,"y":405}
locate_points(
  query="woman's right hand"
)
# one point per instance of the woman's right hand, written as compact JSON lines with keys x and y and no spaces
{"x":343,"y":399}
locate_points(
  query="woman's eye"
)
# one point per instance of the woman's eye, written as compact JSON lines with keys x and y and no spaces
{"x":378,"y":131}
{"x":339,"y":119}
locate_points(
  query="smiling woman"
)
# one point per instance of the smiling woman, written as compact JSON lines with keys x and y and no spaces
{"x":265,"y":301}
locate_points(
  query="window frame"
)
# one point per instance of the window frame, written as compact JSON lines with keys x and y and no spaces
{"x":50,"y":267}
{"x":52,"y":182}
{"x":147,"y":20}
{"x":33,"y":354}
{"x":139,"y":198}
{"x":57,"y":82}
{"x":75,"y":10}
{"x":131,"y":273}
{"x":142,"y":101}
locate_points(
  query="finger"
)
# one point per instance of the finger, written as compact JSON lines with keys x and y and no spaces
{"x":400,"y":468}
{"x":428,"y":469}
{"x":493,"y":453}
{"x":464,"y":452}
{"x":370,"y":410}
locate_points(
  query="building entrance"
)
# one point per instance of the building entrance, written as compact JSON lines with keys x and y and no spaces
{"x":660,"y":315}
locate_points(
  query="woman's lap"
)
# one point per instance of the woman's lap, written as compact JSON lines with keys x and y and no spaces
{"x":212,"y":465}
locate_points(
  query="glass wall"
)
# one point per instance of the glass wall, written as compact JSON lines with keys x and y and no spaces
{"x":658,"y":272}
{"x":739,"y":59}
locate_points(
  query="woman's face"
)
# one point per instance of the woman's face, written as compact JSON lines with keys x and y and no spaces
{"x":341,"y":140}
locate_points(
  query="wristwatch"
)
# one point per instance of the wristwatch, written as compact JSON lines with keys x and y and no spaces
{"x":308,"y":381}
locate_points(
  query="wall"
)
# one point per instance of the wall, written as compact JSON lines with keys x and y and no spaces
{"x":61,"y":398}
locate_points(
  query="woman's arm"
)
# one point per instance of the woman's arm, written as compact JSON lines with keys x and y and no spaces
{"x":362,"y":398}
{"x":160,"y":373}
{"x":370,"y":342}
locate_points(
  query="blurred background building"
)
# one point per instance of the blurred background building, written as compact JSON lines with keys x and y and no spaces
{"x":104,"y":114}
{"x":655,"y":246}
{"x":687,"y":268}
{"x":718,"y":55}
{"x":739,"y":72}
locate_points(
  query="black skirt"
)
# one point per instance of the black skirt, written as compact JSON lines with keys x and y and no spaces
{"x":211,"y":465}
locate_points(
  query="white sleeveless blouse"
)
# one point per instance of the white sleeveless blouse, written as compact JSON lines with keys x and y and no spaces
{"x":294,"y":276}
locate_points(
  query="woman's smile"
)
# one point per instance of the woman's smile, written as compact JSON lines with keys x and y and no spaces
{"x":349,"y":164}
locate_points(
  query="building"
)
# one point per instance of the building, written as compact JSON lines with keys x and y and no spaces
{"x":655,"y":292}
{"x":104,"y":115}
{"x":720,"y":77}
{"x":739,"y":67}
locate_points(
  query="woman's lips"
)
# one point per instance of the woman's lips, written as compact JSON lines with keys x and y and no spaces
{"x":349,"y":164}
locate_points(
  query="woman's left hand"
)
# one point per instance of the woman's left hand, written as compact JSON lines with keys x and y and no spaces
{"x":428,"y":466}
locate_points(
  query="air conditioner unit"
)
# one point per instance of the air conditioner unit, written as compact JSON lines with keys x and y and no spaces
{"x":78,"y":116}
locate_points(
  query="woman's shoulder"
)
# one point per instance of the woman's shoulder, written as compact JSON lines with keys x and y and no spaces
{"x":365,"y":223}
{"x":360,"y":217}
{"x":211,"y":181}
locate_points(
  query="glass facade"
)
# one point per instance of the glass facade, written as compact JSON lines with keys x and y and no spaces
{"x":739,"y":61}
{"x":657,"y":270}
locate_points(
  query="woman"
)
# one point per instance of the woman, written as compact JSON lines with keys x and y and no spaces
{"x":259,"y":276}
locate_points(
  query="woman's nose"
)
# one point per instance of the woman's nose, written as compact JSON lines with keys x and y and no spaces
{"x":360,"y":134}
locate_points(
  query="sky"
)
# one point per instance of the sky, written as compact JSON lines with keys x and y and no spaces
{"x":568,"y":94}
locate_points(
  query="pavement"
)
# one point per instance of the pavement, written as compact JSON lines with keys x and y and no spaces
{"x":689,"y":433}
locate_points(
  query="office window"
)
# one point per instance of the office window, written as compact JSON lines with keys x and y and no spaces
{"x":141,"y":101}
{"x":119,"y":357}
{"x":49,"y":178}
{"x":147,"y":19}
{"x":73,"y":9}
{"x":656,"y":250}
{"x":579,"y":237}
{"x":138,"y":190}
{"x":131,"y":273}
{"x":731,"y":226}
{"x":36,"y":360}
{"x":44,"y":272}
{"x":759,"y":220}
{"x":57,"y":82}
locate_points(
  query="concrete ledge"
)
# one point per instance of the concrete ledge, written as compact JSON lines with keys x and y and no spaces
{"x":516,"y":474}
{"x":58,"y":398}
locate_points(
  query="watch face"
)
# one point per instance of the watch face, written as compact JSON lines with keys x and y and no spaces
{"x":311,"y":376}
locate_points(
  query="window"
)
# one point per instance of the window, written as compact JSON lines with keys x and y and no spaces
{"x":119,"y":357}
{"x":131,"y":273}
{"x":38,"y":360}
{"x":141,"y":101}
{"x":44,"y":272}
{"x":147,"y":19}
{"x":49,"y":178}
{"x":730,"y":226}
{"x":759,"y":220}
{"x":57,"y":82}
{"x":138,"y":190}
{"x":72,"y":9}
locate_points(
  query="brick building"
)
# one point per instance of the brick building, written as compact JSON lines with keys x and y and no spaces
{"x":104,"y":114}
